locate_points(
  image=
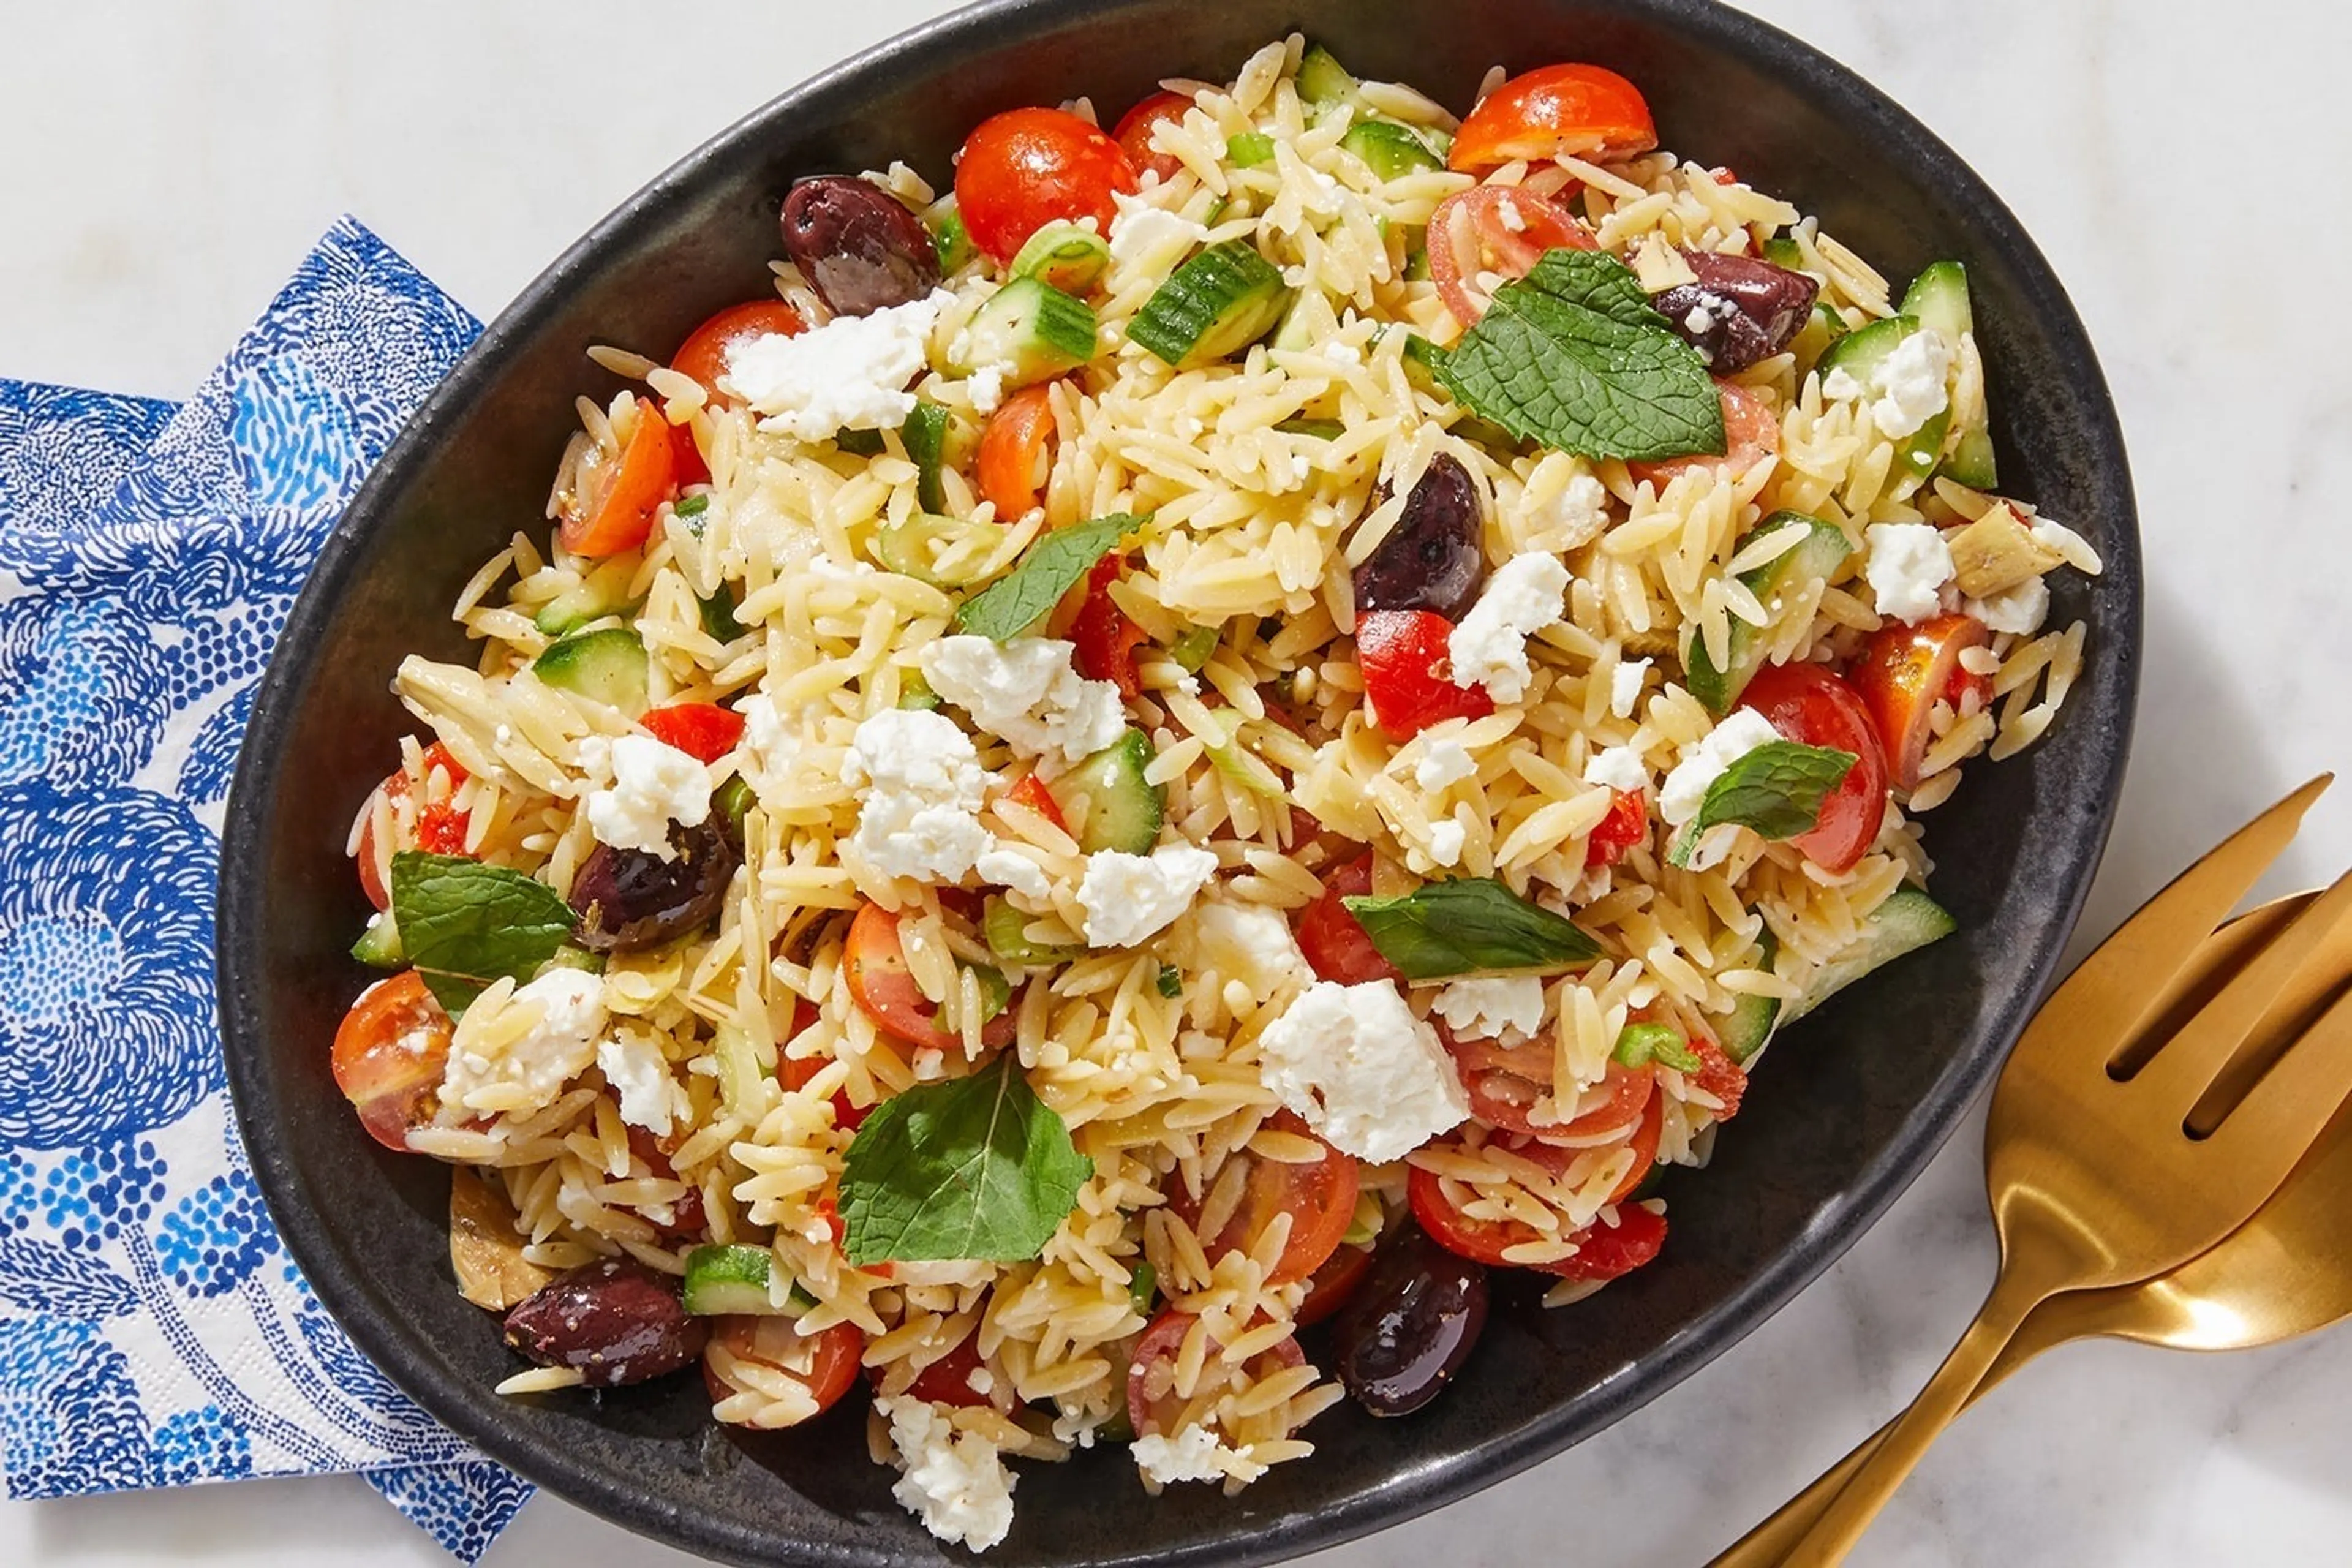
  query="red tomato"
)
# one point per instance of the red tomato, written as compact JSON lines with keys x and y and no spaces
{"x":1319,"y":1198}
{"x":619,"y":513}
{"x":1645,"y":1148}
{"x":1480,"y":1241}
{"x":440,"y":827}
{"x":1334,"y":941}
{"x":686,"y":459}
{"x":1630,"y":1091}
{"x":824,"y":1362}
{"x":1405,"y":657}
{"x":1903,"y":672}
{"x":687,"y":1221}
{"x":1497,"y":230}
{"x":703,"y":731}
{"x":1813,"y":707}
{"x":390,"y":1052}
{"x":1718,"y":1075}
{"x":1584,"y":111}
{"x":1605,"y":1252}
{"x":885,"y":992}
{"x":1751,"y":434}
{"x":1504,"y":1082}
{"x":1014,"y":460}
{"x":1152,"y":1397}
{"x":1032,"y":793}
{"x":1333,"y":1283}
{"x":1627,"y":824}
{"x":1025,"y":168}
{"x":1105,"y":638}
{"x":703,"y":355}
{"x":794,"y":1072}
{"x":947,"y":1381}
{"x":1134,"y":134}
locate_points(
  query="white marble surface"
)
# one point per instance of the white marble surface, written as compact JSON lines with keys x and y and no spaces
{"x":2181,"y":163}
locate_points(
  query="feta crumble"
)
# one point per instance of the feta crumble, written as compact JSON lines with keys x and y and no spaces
{"x":1015,"y":872}
{"x":1909,"y":565}
{"x":653,"y":786}
{"x":1619,"y":767}
{"x":1446,"y":838}
{"x":1443,"y":761}
{"x":956,"y":1482}
{"x":1483,"y":1008}
{"x":1364,"y":1072}
{"x":1741,"y":732}
{"x":1194,"y":1454}
{"x":770,"y":752}
{"x":1575,"y":517}
{"x":540,"y":1060}
{"x":1490,"y":648}
{"x":920,"y":816}
{"x":1625,"y":683}
{"x":1906,"y":387}
{"x":851,"y":374}
{"x":632,"y":1062}
{"x":985,"y":386}
{"x":2022,"y":609}
{"x":1252,"y":943}
{"x":1028,"y":692}
{"x":1129,"y":898}
{"x":1140,"y":230}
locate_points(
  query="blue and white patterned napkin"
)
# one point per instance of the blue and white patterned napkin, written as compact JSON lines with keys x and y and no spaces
{"x":153,"y":1332}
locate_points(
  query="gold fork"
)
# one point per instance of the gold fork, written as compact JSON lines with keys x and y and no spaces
{"x":2095,"y":1176}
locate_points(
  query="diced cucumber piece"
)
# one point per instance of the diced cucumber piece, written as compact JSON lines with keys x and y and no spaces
{"x":1321,"y":430}
{"x":1216,"y":212}
{"x":1249,"y":150}
{"x":1033,"y":329}
{"x":1220,"y":301}
{"x":925,"y":435}
{"x":1005,"y":930}
{"x":1743,"y":1034}
{"x":1971,"y":462}
{"x":1909,"y":919}
{"x":733,"y":800}
{"x":606,"y":666}
{"x":1390,"y":151}
{"x":741,"y":1073}
{"x":571,"y":956}
{"x":945,"y":551}
{"x":1116,"y":805}
{"x":914,"y":691}
{"x":1065,"y":255}
{"x":718,"y":616}
{"x":1781,"y":251}
{"x":1816,"y":555}
{"x":859,"y":443}
{"x":1939,"y":297}
{"x":604,"y":591}
{"x":949,"y":235}
{"x":1308,"y":322}
{"x":1416,"y":256}
{"x":1237,"y":762}
{"x":1822,"y":329}
{"x":379,"y":945}
{"x":1860,"y":353}
{"x":996,"y":990}
{"x":1324,"y":84}
{"x":721,"y":1281}
{"x":1192,"y":650}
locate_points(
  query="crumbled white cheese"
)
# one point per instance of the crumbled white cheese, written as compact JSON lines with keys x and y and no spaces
{"x":920,"y":816}
{"x":1141,"y":230}
{"x":1910,"y":384}
{"x":653,"y":786}
{"x":851,"y":374}
{"x":1194,"y":1454}
{"x":1490,"y":648}
{"x":1512,"y":217}
{"x":986,"y":388}
{"x":1027,"y":691}
{"x":1619,"y":767}
{"x":540,"y":1060}
{"x":633,"y":1064}
{"x":956,"y":1482}
{"x":1128,"y":898}
{"x":1698,"y":322}
{"x":1575,"y":517}
{"x":2022,"y":609}
{"x":1365,"y":1073}
{"x":1012,"y":870}
{"x":1252,"y":943}
{"x":1444,"y":760}
{"x":1447,"y":837}
{"x":1909,"y":565}
{"x":1483,"y":1008}
{"x":1741,"y":732}
{"x":770,"y":754}
{"x":980,"y":1380}
{"x":1841,"y":386}
{"x":1625,"y":683}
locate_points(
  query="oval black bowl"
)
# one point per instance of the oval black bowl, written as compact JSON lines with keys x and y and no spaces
{"x":1848,"y":1110}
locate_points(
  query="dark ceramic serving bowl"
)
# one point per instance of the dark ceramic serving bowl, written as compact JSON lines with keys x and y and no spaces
{"x":1849,"y":1108}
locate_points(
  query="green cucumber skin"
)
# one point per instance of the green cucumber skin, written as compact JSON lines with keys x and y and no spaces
{"x":1390,"y":151}
{"x":607,"y":667}
{"x":1908,"y":920}
{"x":1218,"y":302}
{"x":1001,"y":926}
{"x":722,"y":1279}
{"x":1938,"y":297}
{"x":379,"y":945}
{"x":1971,"y":462}
{"x":1249,"y":149}
{"x":603,"y":591}
{"x":1782,"y":252}
{"x":1751,"y":1024}
{"x":1063,"y":255}
{"x":1035,"y":331}
{"x":1324,"y":83}
{"x":1124,"y":809}
{"x":925,"y":435}
{"x":1859,"y":353}
{"x":1823,"y":549}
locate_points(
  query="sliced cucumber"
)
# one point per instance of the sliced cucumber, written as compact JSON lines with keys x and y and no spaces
{"x":743,"y":1077}
{"x":925,"y":435}
{"x":1781,"y":251}
{"x":944,"y":552}
{"x":1324,"y":84}
{"x":1237,"y":762}
{"x":1860,"y":353}
{"x":1005,"y":929}
{"x":1031,"y":328}
{"x":1308,"y":320}
{"x":571,"y":956}
{"x":1389,"y":150}
{"x":718,"y":616}
{"x":1822,"y":329}
{"x":604,"y":591}
{"x":1063,"y":255}
{"x":1816,"y":555}
{"x":733,"y":800}
{"x":1939,"y":297}
{"x":1249,"y":149}
{"x":1908,"y":920}
{"x":721,"y":1280}
{"x":606,"y":666}
{"x":379,"y":945}
{"x":1192,"y":650}
{"x":1116,"y":807}
{"x":949,"y":235}
{"x":995,"y":991}
{"x":1416,"y":256}
{"x":914,"y":691}
{"x":1221,"y":300}
{"x":1743,"y":1034}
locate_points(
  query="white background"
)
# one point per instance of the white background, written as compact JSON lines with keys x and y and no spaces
{"x":2183,"y":164}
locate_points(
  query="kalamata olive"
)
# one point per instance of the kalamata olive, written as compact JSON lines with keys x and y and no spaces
{"x":615,"y":1322}
{"x":1411,"y":1324}
{"x":628,"y":898}
{"x":1434,"y":558}
{"x":858,"y":245}
{"x":1741,"y":311}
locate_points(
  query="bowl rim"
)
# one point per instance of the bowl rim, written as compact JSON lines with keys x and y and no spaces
{"x":365,"y":1312}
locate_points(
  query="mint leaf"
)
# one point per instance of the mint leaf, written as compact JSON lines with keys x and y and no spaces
{"x":1050,"y":568}
{"x":1572,"y":356}
{"x":977,"y":1167}
{"x":1466,"y":925}
{"x":464,"y":924}
{"x":1639,"y":1045}
{"x":1777,"y":789}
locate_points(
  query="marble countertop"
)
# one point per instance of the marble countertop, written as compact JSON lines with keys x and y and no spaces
{"x":174,"y":162}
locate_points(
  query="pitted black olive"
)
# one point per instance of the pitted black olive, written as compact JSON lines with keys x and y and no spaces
{"x":613,"y":1321}
{"x":628,"y":898}
{"x":1411,"y":1324}
{"x":1434,"y":558}
{"x":1740,"y":312}
{"x":858,"y":245}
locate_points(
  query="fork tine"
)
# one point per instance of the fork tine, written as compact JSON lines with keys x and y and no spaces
{"x":2217,"y":959}
{"x":2299,"y":1096}
{"x":2308,"y":991}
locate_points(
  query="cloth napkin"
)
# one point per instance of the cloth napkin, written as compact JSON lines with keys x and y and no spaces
{"x":153,"y":1329}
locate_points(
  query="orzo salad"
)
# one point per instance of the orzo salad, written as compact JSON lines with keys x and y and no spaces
{"x":1225,"y":724}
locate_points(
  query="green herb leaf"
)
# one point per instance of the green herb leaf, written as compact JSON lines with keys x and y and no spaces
{"x":718,"y":616}
{"x":925,"y":435}
{"x":1143,"y":1286}
{"x":1777,"y":789}
{"x":1461,"y":927}
{"x":1573,"y":356}
{"x":977,"y":1168}
{"x":466,"y":924}
{"x":1050,"y":568}
{"x":1638,"y":1045}
{"x":860,"y":443}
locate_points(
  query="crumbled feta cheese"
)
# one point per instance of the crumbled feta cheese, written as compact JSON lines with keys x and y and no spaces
{"x":1625,"y":683}
{"x":1841,"y":386}
{"x":1141,"y":230}
{"x":1698,"y":322}
{"x":986,"y":388}
{"x":851,"y":374}
{"x":653,"y":786}
{"x":956,"y":1482}
{"x":1741,"y":732}
{"x":1194,"y":1454}
{"x":1252,"y":943}
{"x":1443,"y":762}
{"x":1490,"y":648}
{"x":2022,"y":609}
{"x":1447,"y":837}
{"x":540,"y":1060}
{"x":1012,"y":870}
{"x":1619,"y":767}
{"x":1909,"y":565}
{"x":1575,"y":517}
{"x":1026,"y":691}
{"x":1364,"y":1072}
{"x":1512,"y":217}
{"x":770,"y":752}
{"x":1481,"y":1008}
{"x":633,"y":1064}
{"x":980,"y":1380}
{"x":1910,"y":384}
{"x":920,"y":816}
{"x":1128,"y":898}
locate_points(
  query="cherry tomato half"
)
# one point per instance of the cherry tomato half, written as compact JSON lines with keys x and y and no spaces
{"x":885,"y":989}
{"x":1584,"y":111}
{"x":1333,"y":939}
{"x":1405,"y":655}
{"x":390,"y":1053}
{"x":1133,"y":133}
{"x":1496,"y":229}
{"x":1751,"y":434}
{"x":619,"y":512}
{"x":824,"y":1362}
{"x":1025,"y":168}
{"x":703,"y":731}
{"x":1627,"y":824}
{"x":947,"y":1381}
{"x":1605,"y":1251}
{"x":1903,"y":672}
{"x":1152,"y":1402}
{"x":1809,"y":705}
{"x":703,"y":355}
{"x":1318,"y":1195}
{"x":1333,"y":1283}
{"x":687,"y":1221}
{"x":1031,"y":791}
{"x":1015,"y":457}
{"x":1105,"y":638}
{"x":440,"y":827}
{"x":1504,"y":1082}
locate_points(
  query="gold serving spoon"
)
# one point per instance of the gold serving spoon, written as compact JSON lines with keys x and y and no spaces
{"x":2284,"y":1272}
